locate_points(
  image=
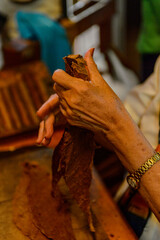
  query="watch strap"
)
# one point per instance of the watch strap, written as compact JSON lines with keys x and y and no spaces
{"x":133,"y":179}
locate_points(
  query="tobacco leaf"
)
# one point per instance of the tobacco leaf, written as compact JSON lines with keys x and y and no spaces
{"x":22,"y":216}
{"x":37,"y":213}
{"x":51,"y":214}
{"x":73,"y":157}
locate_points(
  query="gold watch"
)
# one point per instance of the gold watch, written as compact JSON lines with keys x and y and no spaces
{"x":133,"y":179}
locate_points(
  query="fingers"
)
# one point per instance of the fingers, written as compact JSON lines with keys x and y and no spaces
{"x":46,"y":130}
{"x":40,"y":132}
{"x":68,"y":82}
{"x":45,"y":141}
{"x":62,"y":93}
{"x":49,"y":106}
{"x":65,"y":80}
{"x":59,"y":90}
{"x":94,"y":74}
{"x":49,"y":123}
{"x":63,"y":111}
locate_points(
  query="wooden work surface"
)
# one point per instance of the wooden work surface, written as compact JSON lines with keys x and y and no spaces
{"x":111,"y":225}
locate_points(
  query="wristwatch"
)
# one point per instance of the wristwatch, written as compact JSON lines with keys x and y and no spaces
{"x":133,"y":179}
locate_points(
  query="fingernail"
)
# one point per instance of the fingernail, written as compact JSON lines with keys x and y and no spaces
{"x":38,"y":144}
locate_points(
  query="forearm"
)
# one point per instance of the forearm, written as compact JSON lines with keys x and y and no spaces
{"x":129,"y":143}
{"x":133,"y":150}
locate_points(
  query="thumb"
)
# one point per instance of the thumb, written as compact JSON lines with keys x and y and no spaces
{"x":94,"y":74}
{"x":90,"y":52}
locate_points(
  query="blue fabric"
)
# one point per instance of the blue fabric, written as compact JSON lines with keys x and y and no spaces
{"x":51,"y":35}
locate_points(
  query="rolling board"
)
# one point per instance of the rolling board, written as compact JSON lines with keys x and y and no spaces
{"x":110,"y":224}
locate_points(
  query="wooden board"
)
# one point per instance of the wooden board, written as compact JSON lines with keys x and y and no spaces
{"x":110,"y":224}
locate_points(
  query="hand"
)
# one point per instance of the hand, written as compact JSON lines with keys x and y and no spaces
{"x":91,"y":105}
{"x":94,"y":106}
{"x":47,"y":113}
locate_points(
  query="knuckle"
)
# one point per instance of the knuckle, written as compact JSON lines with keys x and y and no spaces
{"x":74,"y":100}
{"x":56,"y":73}
{"x":83,"y":88}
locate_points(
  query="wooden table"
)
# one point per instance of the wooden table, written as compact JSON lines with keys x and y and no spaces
{"x":112,"y":226}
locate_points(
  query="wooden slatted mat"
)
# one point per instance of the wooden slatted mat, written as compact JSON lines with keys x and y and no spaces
{"x":22,"y":91}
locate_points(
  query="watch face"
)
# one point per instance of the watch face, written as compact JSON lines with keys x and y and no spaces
{"x":132,"y":182}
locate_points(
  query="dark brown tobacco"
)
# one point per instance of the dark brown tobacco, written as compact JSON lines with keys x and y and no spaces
{"x":51,"y":215}
{"x":22,"y":215}
{"x":36,"y":213}
{"x":73,"y":157}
